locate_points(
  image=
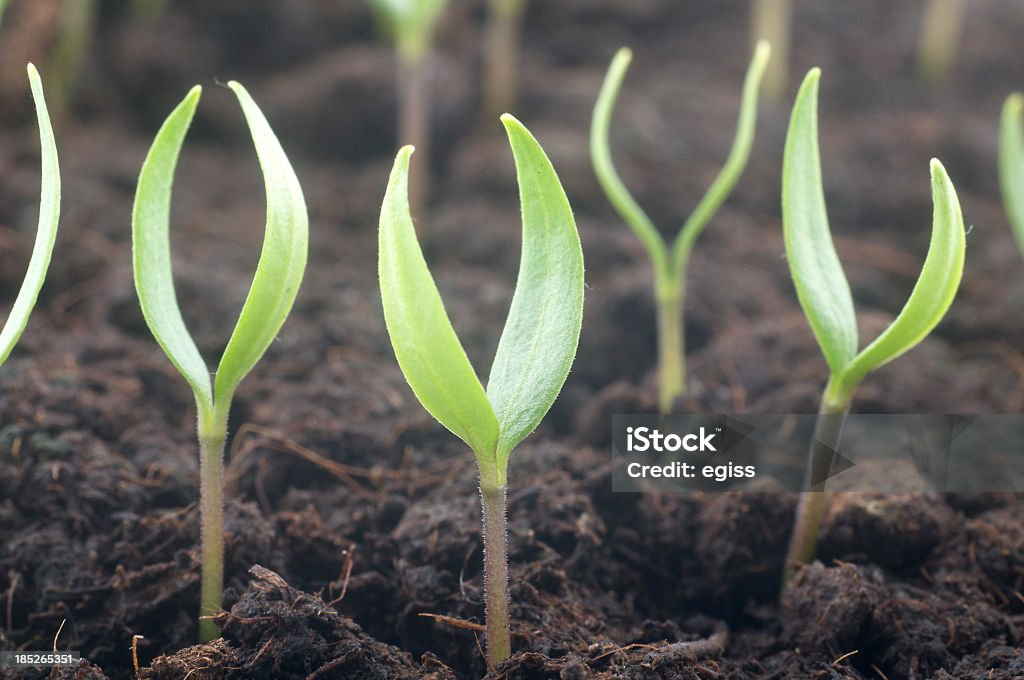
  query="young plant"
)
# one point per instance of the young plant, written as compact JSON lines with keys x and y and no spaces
{"x":770,"y":20}
{"x":941,"y":26}
{"x":670,"y":262}
{"x":1011,"y":163}
{"x":412,"y":24}
{"x":825,"y":297}
{"x":278,"y":275}
{"x":46,"y":231}
{"x":77,"y":26}
{"x":534,"y":354}
{"x":501,"y":55}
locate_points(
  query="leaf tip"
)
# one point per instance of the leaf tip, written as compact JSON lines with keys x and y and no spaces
{"x":33,"y":72}
{"x":763,"y":51}
{"x":1015,"y":103}
{"x":512,"y":123}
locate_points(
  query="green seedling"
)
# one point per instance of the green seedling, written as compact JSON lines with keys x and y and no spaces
{"x":278,"y":275}
{"x":46,"y":231}
{"x":536,"y":349}
{"x":941,"y":27}
{"x":770,"y":21}
{"x":77,"y":26}
{"x":825,"y":297}
{"x":1011,"y":163}
{"x":411,"y":24}
{"x":501,"y":55}
{"x":3,"y":7}
{"x":670,"y":262}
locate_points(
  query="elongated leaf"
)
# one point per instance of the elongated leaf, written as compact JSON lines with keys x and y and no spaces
{"x":817,"y":273}
{"x":539,"y":341}
{"x":935,"y":288}
{"x":151,"y":250}
{"x":428,"y":351}
{"x":46,"y":231}
{"x":282,"y":261}
{"x":1011,"y":163}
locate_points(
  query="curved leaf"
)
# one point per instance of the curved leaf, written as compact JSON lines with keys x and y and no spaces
{"x":542,"y":331}
{"x":425,"y":344}
{"x":1011,"y":163}
{"x":46,"y":231}
{"x":151,"y":250}
{"x":935,"y":288}
{"x":282,"y":260}
{"x":817,"y":273}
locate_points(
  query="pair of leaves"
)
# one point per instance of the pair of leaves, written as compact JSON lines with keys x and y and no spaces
{"x":278,"y":274}
{"x":538,"y":344}
{"x":411,"y":21}
{"x":1011,"y":163}
{"x":818,"y":275}
{"x":669,"y":264}
{"x":46,"y":232}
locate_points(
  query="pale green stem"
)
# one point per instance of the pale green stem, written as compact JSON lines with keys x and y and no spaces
{"x":770,"y":20}
{"x":501,"y":49}
{"x":835,"y":404}
{"x":493,"y":503}
{"x":78,"y":19}
{"x":414,"y":122}
{"x":671,"y":350}
{"x":213,"y":432}
{"x":940,"y":37}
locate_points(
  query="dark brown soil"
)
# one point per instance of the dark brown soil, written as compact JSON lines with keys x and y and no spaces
{"x":353,"y":547}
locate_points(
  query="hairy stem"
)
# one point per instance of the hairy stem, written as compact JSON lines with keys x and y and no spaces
{"x":671,"y":357}
{"x":213,"y":432}
{"x":827,"y":430}
{"x":499,"y":645}
{"x":414,"y":122}
{"x":501,"y":47}
{"x":770,"y":20}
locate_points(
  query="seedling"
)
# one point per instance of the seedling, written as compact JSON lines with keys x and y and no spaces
{"x":78,"y":23}
{"x":278,"y":275}
{"x":770,"y":20}
{"x":825,"y":297}
{"x":941,"y":27}
{"x":670,"y":263}
{"x":46,"y":231}
{"x":501,"y":55}
{"x":412,"y":24}
{"x":534,"y":354}
{"x":1011,"y":163}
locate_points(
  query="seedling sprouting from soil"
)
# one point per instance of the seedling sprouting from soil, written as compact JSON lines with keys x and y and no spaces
{"x":670,"y":262}
{"x":501,"y":55}
{"x":412,"y":23}
{"x":278,"y":275}
{"x":825,"y":297}
{"x":1011,"y":163}
{"x":534,"y":354}
{"x":46,"y":231}
{"x":941,"y":26}
{"x":770,"y":20}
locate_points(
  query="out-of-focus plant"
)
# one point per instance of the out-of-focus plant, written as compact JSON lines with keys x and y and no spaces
{"x":1011,"y":163}
{"x":670,"y":261}
{"x":941,"y":27}
{"x":770,"y":20}
{"x":148,"y":9}
{"x":411,"y":24}
{"x":77,"y":25}
{"x":46,"y":231}
{"x":824,"y":295}
{"x":501,"y":55}
{"x":278,"y":275}
{"x":536,"y":349}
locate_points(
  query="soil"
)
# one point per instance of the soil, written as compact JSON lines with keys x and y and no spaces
{"x":353,"y":542}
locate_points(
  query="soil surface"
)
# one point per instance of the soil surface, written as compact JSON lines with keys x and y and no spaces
{"x":353,"y":532}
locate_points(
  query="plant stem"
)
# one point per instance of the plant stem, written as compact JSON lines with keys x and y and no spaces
{"x":827,"y":429}
{"x":493,"y":503}
{"x":414,"y":121}
{"x":213,"y":432}
{"x":501,"y":47}
{"x":770,"y":20}
{"x":940,"y":33}
{"x":671,"y":348}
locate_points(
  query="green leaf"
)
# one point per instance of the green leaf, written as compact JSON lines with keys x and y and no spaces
{"x":817,"y":273}
{"x":282,"y":261}
{"x":542,"y":331}
{"x":151,"y":251}
{"x":1011,"y":163}
{"x":935,"y":288}
{"x":46,"y":231}
{"x":425,"y":344}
